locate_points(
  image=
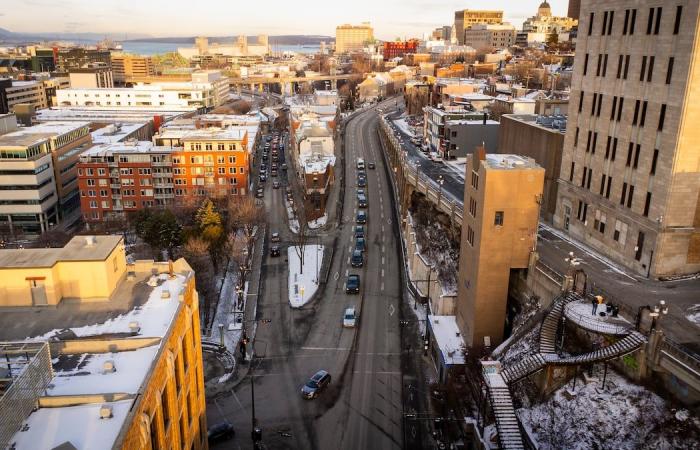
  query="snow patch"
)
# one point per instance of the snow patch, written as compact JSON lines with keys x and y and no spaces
{"x":302,"y":286}
{"x":693,"y":314}
{"x":318,"y":223}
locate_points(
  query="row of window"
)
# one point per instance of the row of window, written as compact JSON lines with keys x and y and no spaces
{"x":616,"y":108}
{"x":619,"y":233}
{"x":653,"y":21}
{"x":209,"y":146}
{"x":646,"y":70}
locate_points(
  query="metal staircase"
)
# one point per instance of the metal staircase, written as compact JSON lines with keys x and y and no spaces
{"x":624,"y":346}
{"x":507,"y":424}
{"x":550,"y":323}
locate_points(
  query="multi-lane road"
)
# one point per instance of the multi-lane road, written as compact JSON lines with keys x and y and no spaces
{"x":362,"y":408}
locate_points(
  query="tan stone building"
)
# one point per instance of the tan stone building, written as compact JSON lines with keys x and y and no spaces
{"x":352,"y":38}
{"x":468,"y":17}
{"x":126,"y":66}
{"x":115,"y":357}
{"x":630,"y":178}
{"x":502,"y":195}
{"x":490,"y":36}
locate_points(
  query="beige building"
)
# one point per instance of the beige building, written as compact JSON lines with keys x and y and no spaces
{"x":538,"y":28}
{"x":469,"y":17}
{"x":13,"y":93}
{"x":502,"y":195}
{"x":490,"y":36}
{"x":352,"y":38}
{"x":126,"y":66}
{"x":96,"y":76}
{"x":114,"y":359}
{"x":630,"y":178}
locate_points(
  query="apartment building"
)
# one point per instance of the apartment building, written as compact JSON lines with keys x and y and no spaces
{"x":206,"y":89}
{"x":126,"y":66}
{"x":435,"y":120}
{"x":490,"y":36}
{"x":629,"y":179}
{"x":352,"y":38}
{"x":66,"y":59}
{"x":499,"y":232}
{"x":398,"y":49}
{"x":115,"y":360}
{"x":13,"y":93}
{"x":91,"y":76}
{"x":466,"y":18}
{"x":38,"y":175}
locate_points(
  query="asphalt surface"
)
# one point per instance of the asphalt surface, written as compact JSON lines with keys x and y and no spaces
{"x":362,"y":407}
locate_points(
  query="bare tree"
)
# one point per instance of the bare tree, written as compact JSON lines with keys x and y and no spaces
{"x":196,"y":251}
{"x":246,"y":215}
{"x":301,"y":236}
{"x":496,"y":110}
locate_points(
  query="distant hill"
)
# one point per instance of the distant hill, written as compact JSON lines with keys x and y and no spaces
{"x":291,"y":39}
{"x":7,"y":36}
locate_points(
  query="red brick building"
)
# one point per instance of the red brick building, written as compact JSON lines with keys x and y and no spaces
{"x":399,"y":48}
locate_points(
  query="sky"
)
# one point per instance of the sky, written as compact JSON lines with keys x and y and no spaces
{"x":170,"y":18}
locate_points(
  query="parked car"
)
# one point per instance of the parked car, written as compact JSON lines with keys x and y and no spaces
{"x":273,"y":172}
{"x":220,"y":432}
{"x":349,"y":318}
{"x":352,"y":285}
{"x":263,"y":178}
{"x":361,"y":217}
{"x":360,"y":244}
{"x":284,"y":167}
{"x":275,"y":185}
{"x":360,"y":164}
{"x":274,"y":236}
{"x":275,"y":250}
{"x":360,"y":192}
{"x":316,"y":384}
{"x":370,"y":165}
{"x":357,"y":260}
{"x":359,"y":231}
{"x":260,"y":193}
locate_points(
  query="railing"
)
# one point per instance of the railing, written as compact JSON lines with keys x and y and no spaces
{"x":592,"y":323}
{"x":550,"y":272}
{"x":674,"y":349}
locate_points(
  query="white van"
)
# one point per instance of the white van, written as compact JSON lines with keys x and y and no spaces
{"x":360,"y":164}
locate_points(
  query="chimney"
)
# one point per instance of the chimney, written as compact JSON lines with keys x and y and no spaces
{"x":90,"y":241}
{"x":106,"y":412}
{"x":486,"y":116}
{"x":108,"y":367}
{"x":481,"y":152}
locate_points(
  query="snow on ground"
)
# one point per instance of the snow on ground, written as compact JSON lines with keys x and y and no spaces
{"x":302,"y":286}
{"x":621,"y":416}
{"x":580,"y":313}
{"x":404,"y":127}
{"x":318,"y":223}
{"x":292,"y":219}
{"x":693,"y":314}
{"x":226,"y":311}
{"x":458,"y":166}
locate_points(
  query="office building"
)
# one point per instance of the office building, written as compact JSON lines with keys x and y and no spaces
{"x":352,"y":38}
{"x":38,"y":180}
{"x":126,"y":67}
{"x":502,"y":195}
{"x":490,"y":36}
{"x":469,"y":17}
{"x":74,"y":58}
{"x":13,"y":93}
{"x":114,"y":360}
{"x":629,"y":179}
{"x":91,"y":76}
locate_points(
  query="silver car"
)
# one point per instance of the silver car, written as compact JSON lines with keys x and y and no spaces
{"x":349,"y":318}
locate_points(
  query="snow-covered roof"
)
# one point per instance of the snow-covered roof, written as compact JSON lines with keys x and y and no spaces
{"x":316,"y":163}
{"x":115,"y":132}
{"x":448,"y":338}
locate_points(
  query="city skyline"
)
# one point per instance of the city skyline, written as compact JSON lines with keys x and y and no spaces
{"x":390,"y":19}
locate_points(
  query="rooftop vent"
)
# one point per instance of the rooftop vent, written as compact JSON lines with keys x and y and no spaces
{"x":90,"y":241}
{"x":134,"y":327}
{"x":108,"y":367}
{"x":153,"y":281}
{"x":106,"y":412}
{"x":165,"y":294}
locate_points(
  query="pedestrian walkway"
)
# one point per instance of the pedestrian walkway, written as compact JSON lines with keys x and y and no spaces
{"x":507,"y":424}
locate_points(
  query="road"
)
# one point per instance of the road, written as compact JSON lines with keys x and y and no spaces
{"x":362,"y":408}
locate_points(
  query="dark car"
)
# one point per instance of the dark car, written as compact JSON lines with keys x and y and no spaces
{"x":275,"y":185}
{"x":359,"y":231}
{"x":284,"y":167}
{"x":361,"y":201}
{"x":361,"y":217}
{"x":220,"y":432}
{"x":316,"y":384}
{"x":275,"y":250}
{"x":263,"y":178}
{"x":360,"y":244}
{"x":352,"y":285}
{"x":370,"y":165}
{"x":362,"y":182}
{"x":273,"y":172}
{"x":357,"y":260}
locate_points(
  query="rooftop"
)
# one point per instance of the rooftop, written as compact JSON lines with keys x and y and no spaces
{"x":25,"y":137}
{"x":506,"y":162}
{"x":125,"y":147}
{"x":115,"y":132}
{"x":448,"y":338}
{"x":553,"y":124}
{"x":111,"y":114}
{"x":77,"y":249}
{"x":231,"y":133}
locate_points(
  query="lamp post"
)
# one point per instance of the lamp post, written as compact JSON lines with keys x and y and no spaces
{"x":440,"y":181}
{"x":656,"y":313}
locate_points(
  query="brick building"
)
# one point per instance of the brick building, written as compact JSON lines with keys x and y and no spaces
{"x":397,"y":49}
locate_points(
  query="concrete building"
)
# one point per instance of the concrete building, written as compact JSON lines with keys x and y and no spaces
{"x":538,"y":28}
{"x":629,"y":180}
{"x":542,"y":139}
{"x":91,"y":76}
{"x":38,"y":181}
{"x":115,"y":356}
{"x":442,"y":33}
{"x":8,"y":123}
{"x":574,"y":10}
{"x":207,"y":89}
{"x":462,"y":137}
{"x":73,"y":58}
{"x":490,"y":36}
{"x":13,"y":93}
{"x":126,"y":66}
{"x":502,"y":195}
{"x":435,"y":120}
{"x":352,"y":38}
{"x":469,"y":17}
{"x":204,"y":49}
{"x":53,"y":84}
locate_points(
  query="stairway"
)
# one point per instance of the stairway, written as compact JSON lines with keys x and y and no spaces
{"x":528,"y":366}
{"x":502,"y":405}
{"x":626,"y":345}
{"x":550,"y":324}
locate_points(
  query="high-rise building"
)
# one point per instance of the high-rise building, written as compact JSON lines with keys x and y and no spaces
{"x":126,"y":66}
{"x":352,"y":38}
{"x":13,"y":93}
{"x":115,"y":361}
{"x":574,"y":9}
{"x":502,"y":195}
{"x":468,"y":17}
{"x":629,"y":181}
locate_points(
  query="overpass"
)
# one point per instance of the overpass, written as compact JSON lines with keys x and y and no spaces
{"x":286,"y":83}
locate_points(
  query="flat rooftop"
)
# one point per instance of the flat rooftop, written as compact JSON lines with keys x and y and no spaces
{"x":115,"y":133}
{"x":111,"y":114}
{"x":25,"y":137}
{"x":125,"y":147}
{"x":531,"y":119}
{"x":234,"y":133}
{"x":77,"y":249}
{"x":509,"y":162}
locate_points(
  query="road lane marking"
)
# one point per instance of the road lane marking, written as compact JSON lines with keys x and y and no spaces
{"x":382,"y":265}
{"x":339,"y":349}
{"x":348,"y":260}
{"x":382,"y":287}
{"x":350,"y":249}
{"x":392,"y":310}
{"x":336,"y":276}
{"x":383,"y":248}
{"x":347,"y":271}
{"x":382,"y":269}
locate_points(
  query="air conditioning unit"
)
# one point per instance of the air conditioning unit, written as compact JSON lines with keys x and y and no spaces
{"x":165,"y":294}
{"x":106,"y":412}
{"x":134,"y":327}
{"x":108,"y":367}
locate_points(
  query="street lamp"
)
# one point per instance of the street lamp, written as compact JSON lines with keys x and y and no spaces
{"x":656,"y":312}
{"x":440,"y":181}
{"x":221,"y":335}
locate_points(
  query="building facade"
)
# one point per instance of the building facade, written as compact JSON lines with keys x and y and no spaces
{"x":574,"y":10}
{"x":629,"y":178}
{"x":538,"y":28}
{"x":352,"y":38}
{"x":13,"y":93}
{"x":469,"y":17}
{"x":499,"y":232}
{"x":93,"y":76}
{"x":397,"y":49}
{"x":126,"y":66}
{"x":490,"y":36}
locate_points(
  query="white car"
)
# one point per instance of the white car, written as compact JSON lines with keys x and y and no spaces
{"x":435,"y":156}
{"x":237,"y":323}
{"x":349,"y":318}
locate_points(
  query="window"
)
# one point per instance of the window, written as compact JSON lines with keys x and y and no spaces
{"x":585,"y":66}
{"x":643,"y":71}
{"x":595,"y":101}
{"x":627,"y":66}
{"x":470,"y":235}
{"x":588,"y":141}
{"x":662,"y":117}
{"x":633,"y":20}
{"x":605,"y":23}
{"x":647,"y":204}
{"x":614,"y":150}
{"x":602,"y":184}
{"x":624,"y":194}
{"x":571,"y":174}
{"x":600,"y":61}
{"x":576,"y":137}
{"x":605,"y":64}
{"x":498,"y":220}
{"x":657,"y":25}
{"x":669,"y":70}
{"x":472,"y":207}
{"x":640,"y":244}
{"x":650,"y":72}
{"x":627,"y":19}
{"x":643,"y":117}
{"x":630,"y":196}
{"x":677,"y":23}
{"x":614,"y":107}
{"x":650,"y":21}
{"x":166,"y":408}
{"x":620,"y":61}
{"x":610,"y":22}
{"x":654,"y":159}
{"x":619,"y":108}
{"x":475,"y":180}
{"x":590,"y":176}
{"x":93,"y":204}
{"x":590,"y":23}
{"x":607,"y":147}
{"x":636,"y":156}
{"x":600,"y":103}
{"x":595,"y":143}
{"x":636,"y":112}
{"x":620,"y":233}
{"x":630,"y":152}
{"x":607,"y":188}
{"x":599,"y":222}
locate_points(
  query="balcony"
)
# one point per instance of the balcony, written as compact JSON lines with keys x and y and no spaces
{"x":158,"y":196}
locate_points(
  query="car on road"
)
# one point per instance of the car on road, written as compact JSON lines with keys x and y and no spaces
{"x":260,"y":193}
{"x":349,"y":318}
{"x":275,"y":185}
{"x":361,"y":201}
{"x":284,"y":167}
{"x":370,"y":165}
{"x":357,"y":260}
{"x":263,"y":178}
{"x":361,"y":181}
{"x":360,"y":192}
{"x":220,"y":432}
{"x":360,"y":164}
{"x":359,"y":231}
{"x":361,"y":217}
{"x":274,"y":165}
{"x":273,"y":172}
{"x":274,"y":236}
{"x":316,"y":384}
{"x":435,"y":156}
{"x":275,"y":250}
{"x":352,"y":285}
{"x":360,"y":244}
{"x":416,"y":141}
